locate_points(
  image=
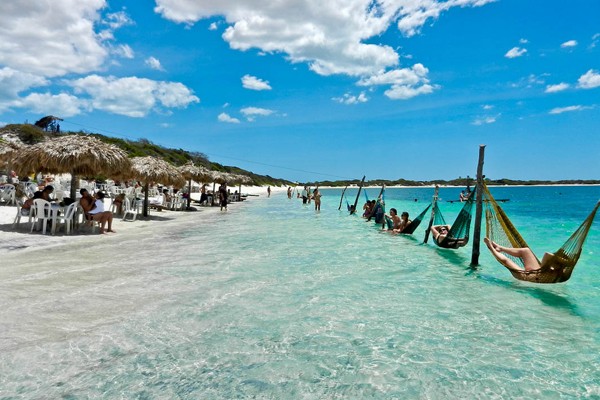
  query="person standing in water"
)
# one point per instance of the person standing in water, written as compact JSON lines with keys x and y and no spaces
{"x":317,"y":199}
{"x":268,"y":191}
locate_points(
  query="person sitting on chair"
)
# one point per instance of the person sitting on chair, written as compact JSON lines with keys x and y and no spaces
{"x":530,"y":261}
{"x":98,"y":214}
{"x":46,"y":192}
{"x":26,"y":207}
{"x":86,"y":202}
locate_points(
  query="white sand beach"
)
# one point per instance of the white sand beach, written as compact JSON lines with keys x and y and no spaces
{"x":19,"y":238}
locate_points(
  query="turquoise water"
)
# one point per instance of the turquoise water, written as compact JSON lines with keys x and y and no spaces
{"x":272,"y":300}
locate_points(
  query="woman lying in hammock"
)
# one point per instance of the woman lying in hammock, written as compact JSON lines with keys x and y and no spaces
{"x":441,"y":232}
{"x":530,"y":261}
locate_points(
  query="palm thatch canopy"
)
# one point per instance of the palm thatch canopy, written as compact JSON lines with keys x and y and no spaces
{"x":8,"y":150}
{"x":76,"y":154}
{"x":152,"y":169}
{"x":195,"y":172}
{"x":79,"y":155}
{"x":240,"y":179}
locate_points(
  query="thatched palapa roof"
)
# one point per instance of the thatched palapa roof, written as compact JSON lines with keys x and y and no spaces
{"x":195,"y":172}
{"x":8,"y":150}
{"x":79,"y":155}
{"x":152,"y":169}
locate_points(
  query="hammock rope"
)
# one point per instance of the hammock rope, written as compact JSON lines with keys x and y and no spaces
{"x":458,"y":236}
{"x":558,"y":267}
{"x":414,"y":224}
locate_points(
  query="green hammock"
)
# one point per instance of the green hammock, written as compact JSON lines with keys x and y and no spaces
{"x":414,"y":224}
{"x":458,"y":236}
{"x":558,"y":267}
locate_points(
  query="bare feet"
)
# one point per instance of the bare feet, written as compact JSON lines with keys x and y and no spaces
{"x":110,"y":230}
{"x":491,"y":245}
{"x":101,"y":231}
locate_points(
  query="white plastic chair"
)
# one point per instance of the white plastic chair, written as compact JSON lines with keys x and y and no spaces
{"x":8,"y":193}
{"x":41,"y":213}
{"x":20,"y":214}
{"x":68,"y":218}
{"x":128,"y":209}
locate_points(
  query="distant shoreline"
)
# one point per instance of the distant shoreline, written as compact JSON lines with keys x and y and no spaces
{"x":458,"y":187}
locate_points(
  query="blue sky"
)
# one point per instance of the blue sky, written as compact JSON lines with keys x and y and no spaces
{"x":314,"y":90}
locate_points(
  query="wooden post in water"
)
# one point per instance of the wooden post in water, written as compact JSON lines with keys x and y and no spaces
{"x":478,"y":208}
{"x":342,"y":197}
{"x":358,"y":194}
{"x":435,"y":197}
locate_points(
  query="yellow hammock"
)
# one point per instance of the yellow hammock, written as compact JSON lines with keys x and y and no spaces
{"x":558,"y":267}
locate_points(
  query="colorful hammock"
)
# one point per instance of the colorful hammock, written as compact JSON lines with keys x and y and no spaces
{"x":558,"y":268}
{"x":414,"y":224}
{"x":458,"y":236}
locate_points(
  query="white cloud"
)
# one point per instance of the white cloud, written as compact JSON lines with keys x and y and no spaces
{"x":595,"y":40}
{"x":212,"y":27}
{"x":560,"y":110}
{"x":332,"y":37}
{"x":347,"y":98}
{"x":154,"y":63}
{"x":414,"y":14}
{"x":224,"y":117}
{"x":487,"y":106}
{"x":400,"y":92}
{"x":523,"y":41}
{"x":589,"y":80}
{"x":64,"y":105}
{"x":254,"y":83}
{"x":251,"y":112}
{"x":559,"y":87}
{"x":132,"y":96}
{"x":13,"y":82}
{"x":123,"y":50}
{"x":405,"y":83}
{"x":515,"y":52}
{"x":486,"y":120}
{"x":52,"y":38}
{"x":256,"y":111}
{"x":569,"y":43}
{"x":117,"y":20}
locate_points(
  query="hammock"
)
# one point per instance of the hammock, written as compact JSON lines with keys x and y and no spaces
{"x":458,"y":236}
{"x":558,"y":267}
{"x":414,"y":224}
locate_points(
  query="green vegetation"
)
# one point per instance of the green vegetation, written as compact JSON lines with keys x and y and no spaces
{"x":29,"y":134}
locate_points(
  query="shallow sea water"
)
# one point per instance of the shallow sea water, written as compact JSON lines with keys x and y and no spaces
{"x":272,"y":300}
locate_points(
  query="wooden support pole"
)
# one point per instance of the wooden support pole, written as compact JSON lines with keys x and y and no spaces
{"x":435,"y":197}
{"x":145,"y":205}
{"x":342,"y":197}
{"x":478,"y":208}
{"x":358,"y":194}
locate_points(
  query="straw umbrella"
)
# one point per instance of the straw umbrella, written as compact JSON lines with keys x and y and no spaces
{"x":191,"y":171}
{"x":240,"y":179}
{"x":79,"y":155}
{"x":152,"y":169}
{"x":8,"y":150}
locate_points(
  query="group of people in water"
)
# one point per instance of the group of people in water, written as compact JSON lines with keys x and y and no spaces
{"x":307,"y":196}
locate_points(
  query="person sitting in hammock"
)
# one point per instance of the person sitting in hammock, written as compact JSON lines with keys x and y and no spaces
{"x":441,"y":232}
{"x":404,"y":222}
{"x":395,"y":219}
{"x":530,"y":261}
